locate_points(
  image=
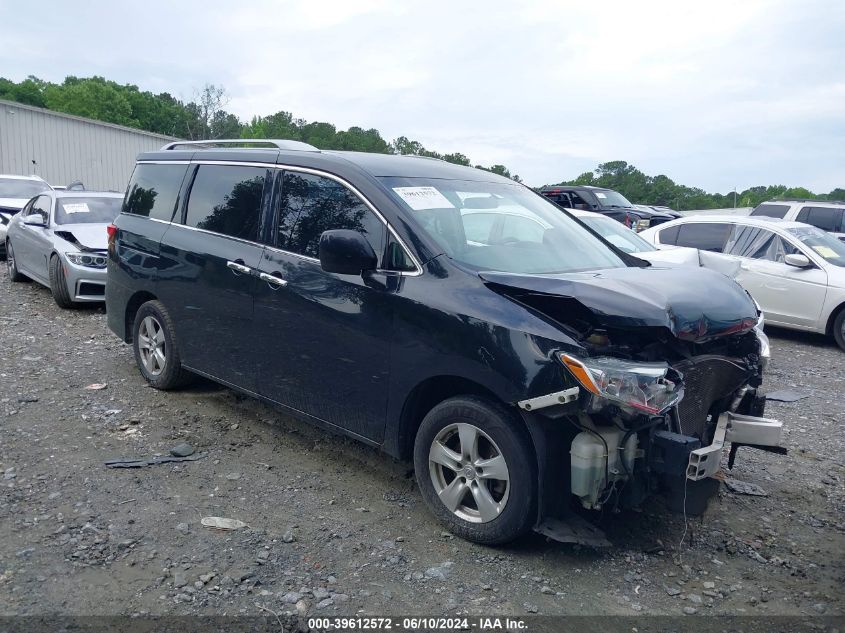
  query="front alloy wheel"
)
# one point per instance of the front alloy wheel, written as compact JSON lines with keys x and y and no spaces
{"x":469,"y":473}
{"x":476,"y":469}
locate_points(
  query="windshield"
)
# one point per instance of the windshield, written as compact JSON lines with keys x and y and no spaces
{"x":618,"y":234}
{"x":613,"y":199}
{"x":88,"y":210}
{"x":24,"y":189}
{"x":821,"y":243}
{"x":500,"y":227}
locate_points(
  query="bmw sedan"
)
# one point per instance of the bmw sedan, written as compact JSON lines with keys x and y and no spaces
{"x":59,"y":239}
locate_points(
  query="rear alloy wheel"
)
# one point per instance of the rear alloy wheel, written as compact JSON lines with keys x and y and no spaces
{"x":12,"y":266}
{"x":156,"y":350}
{"x":839,"y":329}
{"x":58,"y":283}
{"x":475,"y":468}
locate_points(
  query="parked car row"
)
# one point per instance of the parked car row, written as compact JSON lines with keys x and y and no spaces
{"x":610,"y":203}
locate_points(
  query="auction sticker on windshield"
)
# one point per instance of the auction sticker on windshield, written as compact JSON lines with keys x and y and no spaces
{"x":825,"y":251}
{"x":75,"y":207}
{"x":421,"y":198}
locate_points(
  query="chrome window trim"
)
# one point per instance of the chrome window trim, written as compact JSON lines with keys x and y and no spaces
{"x":306,"y":170}
{"x":163,"y":162}
{"x":282,"y":251}
{"x":223,"y":235}
{"x":145,"y":217}
{"x":314,"y":260}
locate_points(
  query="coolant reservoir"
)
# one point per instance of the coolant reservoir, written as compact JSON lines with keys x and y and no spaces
{"x":594,"y":466}
{"x":588,"y":459}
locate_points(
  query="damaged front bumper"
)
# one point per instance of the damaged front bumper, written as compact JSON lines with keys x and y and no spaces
{"x":619,"y":455}
{"x":746,"y":430}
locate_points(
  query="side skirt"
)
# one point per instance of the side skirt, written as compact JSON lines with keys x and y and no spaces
{"x":305,"y":417}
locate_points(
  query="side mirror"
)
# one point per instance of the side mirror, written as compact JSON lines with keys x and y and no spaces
{"x":346,"y":252}
{"x":35,"y":219}
{"x":797,"y":260}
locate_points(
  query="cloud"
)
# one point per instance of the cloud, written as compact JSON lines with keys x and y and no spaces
{"x":717,"y":94}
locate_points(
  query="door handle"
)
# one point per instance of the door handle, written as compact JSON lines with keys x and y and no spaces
{"x":273,"y":280}
{"x":239,"y":268}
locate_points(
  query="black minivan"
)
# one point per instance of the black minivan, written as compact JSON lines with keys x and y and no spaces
{"x":445,"y":314}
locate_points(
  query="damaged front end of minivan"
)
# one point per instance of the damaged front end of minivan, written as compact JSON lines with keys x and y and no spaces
{"x":667,"y":373}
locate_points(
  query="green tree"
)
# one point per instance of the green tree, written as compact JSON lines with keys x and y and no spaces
{"x":29,"y":91}
{"x":94,"y":98}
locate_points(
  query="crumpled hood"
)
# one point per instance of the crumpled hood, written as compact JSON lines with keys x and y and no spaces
{"x":695,"y":304}
{"x":92,"y":236}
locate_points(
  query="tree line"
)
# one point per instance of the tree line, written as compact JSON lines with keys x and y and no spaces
{"x":662,"y":190}
{"x":205,"y":117}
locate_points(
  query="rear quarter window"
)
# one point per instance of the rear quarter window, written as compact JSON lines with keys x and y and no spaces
{"x":771,"y":210}
{"x":670,"y":235}
{"x":825,"y":218}
{"x":709,"y":236}
{"x":226,"y":199}
{"x":154,"y":190}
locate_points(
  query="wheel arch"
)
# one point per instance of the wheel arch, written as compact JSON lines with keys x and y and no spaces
{"x":132,"y":306}
{"x":833,"y":314}
{"x":424,"y":397}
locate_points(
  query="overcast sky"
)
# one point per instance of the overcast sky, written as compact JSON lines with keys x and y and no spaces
{"x":714,"y":94}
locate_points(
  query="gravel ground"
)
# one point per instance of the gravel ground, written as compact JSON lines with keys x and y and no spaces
{"x":335,"y":527}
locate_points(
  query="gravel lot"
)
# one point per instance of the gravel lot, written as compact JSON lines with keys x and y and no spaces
{"x":335,"y":527}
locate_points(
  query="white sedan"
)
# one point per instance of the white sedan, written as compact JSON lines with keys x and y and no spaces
{"x":630,"y":242}
{"x":794,"y":271}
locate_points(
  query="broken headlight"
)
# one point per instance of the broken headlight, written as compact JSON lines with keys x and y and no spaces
{"x":640,"y":386}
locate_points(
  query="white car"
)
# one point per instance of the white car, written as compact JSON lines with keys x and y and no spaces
{"x":15,"y":192}
{"x":826,"y":215}
{"x":795,"y":272}
{"x":630,"y":242}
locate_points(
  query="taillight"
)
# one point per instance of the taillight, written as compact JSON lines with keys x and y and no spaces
{"x":111,"y":229}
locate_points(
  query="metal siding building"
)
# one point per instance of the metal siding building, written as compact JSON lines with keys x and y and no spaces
{"x":67,"y":148}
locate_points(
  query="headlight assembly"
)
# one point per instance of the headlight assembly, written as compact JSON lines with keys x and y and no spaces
{"x":89,"y":260}
{"x":640,"y":386}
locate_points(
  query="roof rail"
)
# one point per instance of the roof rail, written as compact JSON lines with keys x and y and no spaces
{"x":215,"y":143}
{"x":775,"y":200}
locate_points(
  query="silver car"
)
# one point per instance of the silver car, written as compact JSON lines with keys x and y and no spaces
{"x":59,"y":239}
{"x":15,"y":191}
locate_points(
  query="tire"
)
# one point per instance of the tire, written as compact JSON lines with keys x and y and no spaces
{"x":508,"y":501}
{"x":839,"y":329}
{"x":156,"y":348}
{"x":12,"y":265}
{"x":58,"y":284}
